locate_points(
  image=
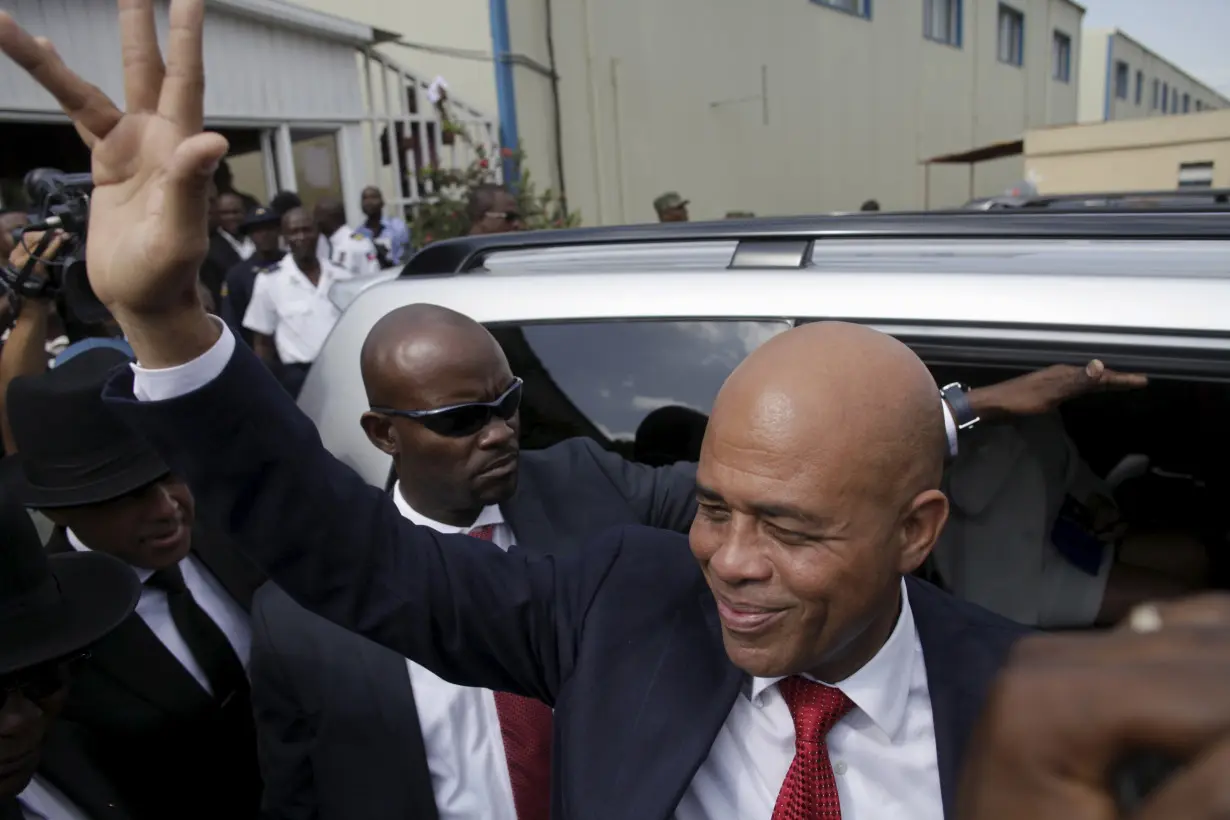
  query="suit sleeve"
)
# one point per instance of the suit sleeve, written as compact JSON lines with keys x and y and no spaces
{"x":662,"y":497}
{"x":285,"y":733}
{"x":465,"y":609}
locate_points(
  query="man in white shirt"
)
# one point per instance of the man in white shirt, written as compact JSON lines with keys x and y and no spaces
{"x":291,"y":312}
{"x":166,"y":694}
{"x":443,"y":754}
{"x":340,"y":244}
{"x":818,"y":490}
{"x":52,"y":609}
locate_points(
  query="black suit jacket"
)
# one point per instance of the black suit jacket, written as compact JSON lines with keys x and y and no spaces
{"x":622,"y":637}
{"x":219,"y":259}
{"x":164,"y":743}
{"x":66,"y":763}
{"x":342,"y":739}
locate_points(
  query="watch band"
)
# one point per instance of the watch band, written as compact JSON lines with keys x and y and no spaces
{"x":962,"y":411}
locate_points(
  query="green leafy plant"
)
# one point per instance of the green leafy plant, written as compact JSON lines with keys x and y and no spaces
{"x":442,"y":214}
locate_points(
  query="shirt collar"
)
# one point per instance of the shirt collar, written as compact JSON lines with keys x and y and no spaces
{"x":490,"y":516}
{"x":143,"y":574}
{"x":881,"y":689}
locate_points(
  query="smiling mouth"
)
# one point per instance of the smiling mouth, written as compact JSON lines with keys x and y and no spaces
{"x":746,"y":620}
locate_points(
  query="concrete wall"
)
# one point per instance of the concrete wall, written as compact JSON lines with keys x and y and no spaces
{"x":1129,"y":155}
{"x":659,"y":96}
{"x":454,"y":24}
{"x":1105,"y":50}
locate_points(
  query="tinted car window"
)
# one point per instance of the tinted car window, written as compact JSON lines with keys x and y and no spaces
{"x":643,"y":388}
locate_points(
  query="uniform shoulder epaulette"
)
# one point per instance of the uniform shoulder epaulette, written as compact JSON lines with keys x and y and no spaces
{"x":266,"y":267}
{"x":357,"y":235}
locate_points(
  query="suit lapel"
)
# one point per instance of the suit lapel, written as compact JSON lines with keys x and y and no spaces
{"x":527,"y":516}
{"x":237,"y":574}
{"x":689,"y":666}
{"x":957,"y":680}
{"x":388,"y":679}
{"x":133,"y":656}
{"x":66,"y":765}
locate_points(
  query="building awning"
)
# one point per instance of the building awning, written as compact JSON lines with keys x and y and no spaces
{"x":310,"y":21}
{"x":995,"y":150}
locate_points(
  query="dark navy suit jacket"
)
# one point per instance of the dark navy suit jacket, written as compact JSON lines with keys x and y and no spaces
{"x":622,"y":637}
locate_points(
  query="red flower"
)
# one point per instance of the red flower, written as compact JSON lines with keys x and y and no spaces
{"x":506,"y":153}
{"x":482,"y":163}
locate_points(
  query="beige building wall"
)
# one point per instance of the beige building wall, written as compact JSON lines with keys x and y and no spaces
{"x":669,"y":96}
{"x":455,"y":24}
{"x":1130,"y":155}
{"x":1164,"y":88}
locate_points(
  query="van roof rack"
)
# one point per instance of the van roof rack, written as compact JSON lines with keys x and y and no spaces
{"x":773,"y":233}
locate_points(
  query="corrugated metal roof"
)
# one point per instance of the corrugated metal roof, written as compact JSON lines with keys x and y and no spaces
{"x":270,"y":61}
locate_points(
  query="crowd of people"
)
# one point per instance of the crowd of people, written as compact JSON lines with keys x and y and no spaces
{"x":203,"y":614}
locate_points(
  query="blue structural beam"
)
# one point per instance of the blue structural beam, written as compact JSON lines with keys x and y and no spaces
{"x":505,"y":87}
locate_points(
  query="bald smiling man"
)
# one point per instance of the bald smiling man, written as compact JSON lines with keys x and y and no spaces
{"x":785,"y":666}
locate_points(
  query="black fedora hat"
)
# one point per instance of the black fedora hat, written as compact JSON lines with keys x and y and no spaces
{"x":52,"y":606}
{"x":72,"y":449}
{"x":258,"y":217}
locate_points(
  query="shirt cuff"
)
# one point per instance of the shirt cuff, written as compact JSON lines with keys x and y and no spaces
{"x":173,"y":382}
{"x":950,"y":427}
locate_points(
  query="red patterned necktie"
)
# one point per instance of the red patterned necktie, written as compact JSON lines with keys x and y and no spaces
{"x":525,"y":724}
{"x":810,"y":789}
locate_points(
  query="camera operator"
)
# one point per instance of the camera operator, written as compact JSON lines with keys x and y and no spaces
{"x":25,"y":352}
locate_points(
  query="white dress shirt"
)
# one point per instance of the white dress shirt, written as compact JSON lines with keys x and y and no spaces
{"x":210,"y":596}
{"x":242,"y":245}
{"x":298,"y":314}
{"x":461,"y":728}
{"x":42,"y":801}
{"x":883,"y":752}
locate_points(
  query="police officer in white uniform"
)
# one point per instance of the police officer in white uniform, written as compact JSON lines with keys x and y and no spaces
{"x":291,"y":314}
{"x":343,"y":246}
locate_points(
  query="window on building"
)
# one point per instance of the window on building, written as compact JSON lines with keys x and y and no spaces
{"x":1199,"y":105}
{"x":1174,"y":102}
{"x":1140,"y":87}
{"x":1011,"y":47}
{"x":1187,"y":103}
{"x":859,"y":8}
{"x":1165,"y":97}
{"x":942,"y":21}
{"x":1157,"y":94}
{"x":642,"y":388}
{"x":1121,"y":79}
{"x":1061,"y":57}
{"x":1196,"y":175}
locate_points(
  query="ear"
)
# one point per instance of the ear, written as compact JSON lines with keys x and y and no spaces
{"x":921,"y":526}
{"x":380,"y":432}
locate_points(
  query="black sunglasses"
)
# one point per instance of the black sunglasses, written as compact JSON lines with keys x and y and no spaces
{"x":461,"y":420}
{"x":39,"y":682}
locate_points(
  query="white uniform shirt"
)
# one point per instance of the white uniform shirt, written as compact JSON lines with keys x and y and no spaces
{"x":461,"y":728}
{"x":297,"y":314}
{"x":210,"y":596}
{"x":883,"y":752}
{"x":353,"y":252}
{"x":42,"y":801}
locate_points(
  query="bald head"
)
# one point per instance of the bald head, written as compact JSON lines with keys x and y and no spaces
{"x":330,"y":215}
{"x":818,"y":489}
{"x":411,"y":344}
{"x":843,"y":390}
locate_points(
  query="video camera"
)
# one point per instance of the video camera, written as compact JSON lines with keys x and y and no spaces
{"x":59,"y":201}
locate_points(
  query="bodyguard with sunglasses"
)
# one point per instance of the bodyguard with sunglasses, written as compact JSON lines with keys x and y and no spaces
{"x":348,"y":728}
{"x":52,"y":609}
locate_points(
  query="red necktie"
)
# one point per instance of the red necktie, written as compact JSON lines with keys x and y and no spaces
{"x":525,"y":724}
{"x":810,"y":789}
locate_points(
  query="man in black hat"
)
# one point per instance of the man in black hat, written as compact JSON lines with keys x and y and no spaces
{"x":166,"y":694}
{"x":264,"y":227}
{"x":52,"y":609}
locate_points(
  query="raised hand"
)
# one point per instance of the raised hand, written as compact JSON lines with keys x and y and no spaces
{"x":151,"y":163}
